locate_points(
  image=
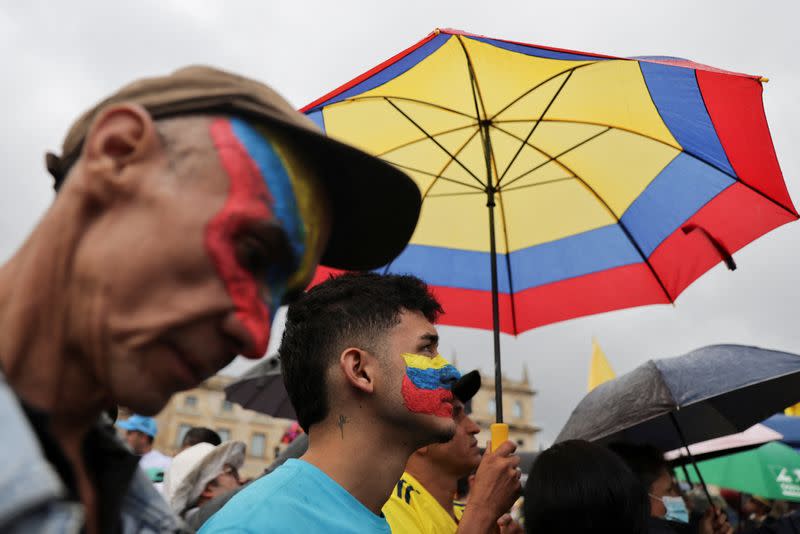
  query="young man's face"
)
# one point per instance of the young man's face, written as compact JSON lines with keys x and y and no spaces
{"x":177,"y":280}
{"x":419,"y":381}
{"x":461,"y":455}
{"x":137,"y":441}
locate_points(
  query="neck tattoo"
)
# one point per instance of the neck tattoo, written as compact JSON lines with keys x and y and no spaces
{"x":343,"y":420}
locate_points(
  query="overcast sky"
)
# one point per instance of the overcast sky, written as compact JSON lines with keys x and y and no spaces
{"x":61,"y":57}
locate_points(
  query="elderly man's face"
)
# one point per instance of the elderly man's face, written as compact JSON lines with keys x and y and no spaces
{"x":185,"y":272}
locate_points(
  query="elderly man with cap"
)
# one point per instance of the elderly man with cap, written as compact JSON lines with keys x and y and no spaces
{"x":202,"y":472}
{"x":423,"y":500}
{"x":189,"y":208}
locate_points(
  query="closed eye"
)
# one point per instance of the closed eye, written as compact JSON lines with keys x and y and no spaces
{"x":264,"y":251}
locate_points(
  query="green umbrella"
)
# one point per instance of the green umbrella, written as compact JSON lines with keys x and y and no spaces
{"x":771,"y":471}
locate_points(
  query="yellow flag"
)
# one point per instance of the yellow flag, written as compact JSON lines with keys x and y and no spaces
{"x":600,"y":370}
{"x":793,"y":410}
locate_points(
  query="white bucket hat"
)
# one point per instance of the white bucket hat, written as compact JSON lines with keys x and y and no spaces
{"x":195,"y":467}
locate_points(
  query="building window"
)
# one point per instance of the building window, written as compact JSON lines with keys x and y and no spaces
{"x":492,"y":407}
{"x":224,"y":434}
{"x":227,"y":406}
{"x":257,"y":445}
{"x":517,"y":409}
{"x":190,"y":402}
{"x":182,"y":430}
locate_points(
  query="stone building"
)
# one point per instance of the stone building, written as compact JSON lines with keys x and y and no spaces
{"x":517,"y":410}
{"x":206,"y":406}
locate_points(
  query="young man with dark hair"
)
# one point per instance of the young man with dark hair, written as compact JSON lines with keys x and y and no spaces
{"x":361,"y":365}
{"x":200,"y":434}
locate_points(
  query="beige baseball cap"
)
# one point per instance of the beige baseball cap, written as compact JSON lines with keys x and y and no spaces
{"x":375,"y":206}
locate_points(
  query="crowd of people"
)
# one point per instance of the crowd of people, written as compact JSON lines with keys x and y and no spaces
{"x":189,"y":208}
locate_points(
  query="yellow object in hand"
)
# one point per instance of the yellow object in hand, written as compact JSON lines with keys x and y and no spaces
{"x":499,"y":434}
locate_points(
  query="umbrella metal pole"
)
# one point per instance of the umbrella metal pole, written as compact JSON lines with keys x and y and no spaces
{"x":686,"y":473}
{"x":691,"y":459}
{"x":498,"y":374}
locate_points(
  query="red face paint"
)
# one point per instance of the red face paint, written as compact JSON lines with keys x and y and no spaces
{"x":248,"y":200}
{"x":426,"y":385}
{"x":428,"y":401}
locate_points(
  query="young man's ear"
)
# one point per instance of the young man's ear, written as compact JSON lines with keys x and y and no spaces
{"x":358,"y":367}
{"x":121,"y":135}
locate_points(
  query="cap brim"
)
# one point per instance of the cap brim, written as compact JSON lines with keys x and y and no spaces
{"x":375,"y":206}
{"x":467,"y":386}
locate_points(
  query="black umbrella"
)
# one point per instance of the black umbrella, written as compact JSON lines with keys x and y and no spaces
{"x":710,"y":392}
{"x":674,"y":402}
{"x":261,"y":389}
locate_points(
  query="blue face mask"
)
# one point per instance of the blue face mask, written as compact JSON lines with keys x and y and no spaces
{"x":676,"y":508}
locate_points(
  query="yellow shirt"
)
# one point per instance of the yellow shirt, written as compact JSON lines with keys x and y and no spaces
{"x":411,"y":510}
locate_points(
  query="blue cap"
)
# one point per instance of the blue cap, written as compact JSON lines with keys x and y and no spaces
{"x":145,"y":425}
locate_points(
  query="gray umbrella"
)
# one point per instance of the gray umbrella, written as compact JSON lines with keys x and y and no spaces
{"x":261,"y":389}
{"x":707,"y":393}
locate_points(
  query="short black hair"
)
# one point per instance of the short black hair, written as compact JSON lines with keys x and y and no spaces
{"x":646,"y":461}
{"x":200,"y":434}
{"x":581,"y":487}
{"x":350,"y":309}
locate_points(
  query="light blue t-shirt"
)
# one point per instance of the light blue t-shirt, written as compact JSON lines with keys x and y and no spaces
{"x":296,"y":497}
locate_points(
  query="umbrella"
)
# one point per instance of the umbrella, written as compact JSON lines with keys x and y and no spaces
{"x":788,"y":426}
{"x":558,"y":184}
{"x":261,"y":389}
{"x":771,"y":471}
{"x":710,"y":392}
{"x":753,"y":437}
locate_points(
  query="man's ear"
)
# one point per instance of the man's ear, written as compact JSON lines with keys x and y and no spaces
{"x":358,"y":367}
{"x":121,"y":135}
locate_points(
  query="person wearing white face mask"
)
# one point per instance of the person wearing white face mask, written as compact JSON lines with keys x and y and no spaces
{"x":668,"y":511}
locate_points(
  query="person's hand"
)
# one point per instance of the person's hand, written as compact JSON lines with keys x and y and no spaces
{"x":507,"y":525}
{"x":494,"y":490}
{"x":714,"y":522}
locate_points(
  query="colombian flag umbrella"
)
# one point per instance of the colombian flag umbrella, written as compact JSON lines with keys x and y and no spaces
{"x":558,"y":184}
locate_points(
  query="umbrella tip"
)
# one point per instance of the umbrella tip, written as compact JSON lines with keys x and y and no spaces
{"x":763,"y":79}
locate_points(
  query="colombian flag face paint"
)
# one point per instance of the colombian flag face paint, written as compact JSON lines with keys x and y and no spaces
{"x":267,"y":183}
{"x":427,"y":383}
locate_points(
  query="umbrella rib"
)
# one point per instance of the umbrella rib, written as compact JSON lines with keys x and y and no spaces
{"x":446,"y":165}
{"x":476,"y":90}
{"x":438,"y":176}
{"x":437,"y":143}
{"x":608,"y":209}
{"x":407,"y":99}
{"x":443,"y":195}
{"x":424,"y":138}
{"x":540,"y":84}
{"x":477,"y":99}
{"x":550,"y":158}
{"x":533,"y":128}
{"x":546,"y":182}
